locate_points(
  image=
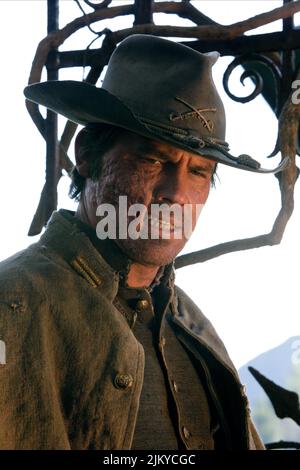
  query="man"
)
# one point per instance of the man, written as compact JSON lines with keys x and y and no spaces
{"x":102,"y":350}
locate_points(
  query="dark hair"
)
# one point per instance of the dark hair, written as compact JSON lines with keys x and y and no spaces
{"x":214,"y":176}
{"x":95,"y":140}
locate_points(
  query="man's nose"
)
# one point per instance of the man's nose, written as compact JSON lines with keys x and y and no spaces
{"x":172,"y":187}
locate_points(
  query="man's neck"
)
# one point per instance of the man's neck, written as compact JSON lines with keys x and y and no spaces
{"x":140,"y":275}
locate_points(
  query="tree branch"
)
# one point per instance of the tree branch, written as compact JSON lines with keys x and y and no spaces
{"x":57,"y":38}
{"x":185,"y":10}
{"x":212,"y":32}
{"x":283,"y":445}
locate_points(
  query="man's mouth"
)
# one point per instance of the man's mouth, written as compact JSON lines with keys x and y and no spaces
{"x":164,"y":228}
{"x":159,"y":223}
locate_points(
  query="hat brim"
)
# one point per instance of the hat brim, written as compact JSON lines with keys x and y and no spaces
{"x":84,"y":104}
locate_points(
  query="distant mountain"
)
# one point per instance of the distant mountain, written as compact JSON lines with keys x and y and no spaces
{"x":282,"y":366}
{"x":277,"y":364}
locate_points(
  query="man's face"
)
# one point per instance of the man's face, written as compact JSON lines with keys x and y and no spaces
{"x":150,"y":172}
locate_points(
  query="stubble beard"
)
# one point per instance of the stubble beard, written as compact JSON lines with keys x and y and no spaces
{"x":151,"y":252}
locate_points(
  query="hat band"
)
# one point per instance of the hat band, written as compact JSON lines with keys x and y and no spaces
{"x":183,"y":134}
{"x":198,"y":142}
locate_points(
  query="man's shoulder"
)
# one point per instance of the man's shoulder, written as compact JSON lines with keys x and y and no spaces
{"x":26,"y":273}
{"x":17,"y":265}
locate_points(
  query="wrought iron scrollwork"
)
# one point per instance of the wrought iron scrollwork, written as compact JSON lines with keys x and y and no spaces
{"x":253,"y":74}
{"x":97,"y":5}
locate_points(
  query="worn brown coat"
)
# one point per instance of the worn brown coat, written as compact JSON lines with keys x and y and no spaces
{"x":66,"y":342}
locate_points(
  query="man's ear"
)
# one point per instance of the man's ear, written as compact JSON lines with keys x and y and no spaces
{"x":82,"y":164}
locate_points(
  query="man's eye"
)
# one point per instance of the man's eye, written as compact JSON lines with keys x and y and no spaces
{"x":198,"y":172}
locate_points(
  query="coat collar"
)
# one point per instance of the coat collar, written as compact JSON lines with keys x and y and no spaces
{"x":100,"y":262}
{"x":65,"y":237}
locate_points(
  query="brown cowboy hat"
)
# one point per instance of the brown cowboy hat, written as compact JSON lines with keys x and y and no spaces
{"x":157,"y":88}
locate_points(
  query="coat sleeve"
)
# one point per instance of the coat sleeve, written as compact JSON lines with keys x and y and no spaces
{"x":30,"y":415}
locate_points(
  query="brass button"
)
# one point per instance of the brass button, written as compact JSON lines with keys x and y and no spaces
{"x":123,"y":381}
{"x":186,"y":432}
{"x":142,"y":304}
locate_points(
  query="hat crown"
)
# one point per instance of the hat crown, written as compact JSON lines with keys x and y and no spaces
{"x":168,"y":83}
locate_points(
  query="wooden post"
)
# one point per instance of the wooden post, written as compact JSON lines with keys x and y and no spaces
{"x":52,"y":159}
{"x":143,"y":12}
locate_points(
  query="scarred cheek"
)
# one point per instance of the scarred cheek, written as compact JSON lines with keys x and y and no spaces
{"x":139,"y":188}
{"x":126,"y":181}
{"x":136,"y":183}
